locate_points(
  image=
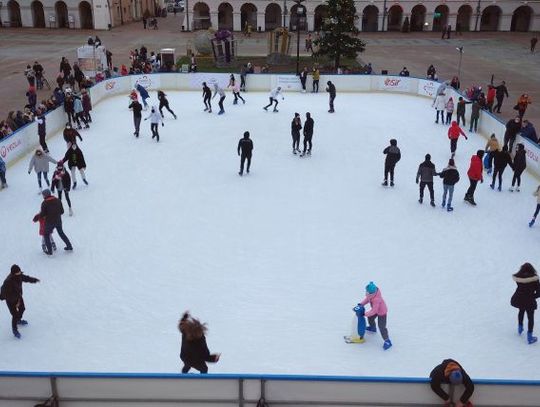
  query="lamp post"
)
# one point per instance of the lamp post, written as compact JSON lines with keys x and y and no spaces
{"x":385,"y":11}
{"x":460,"y":50}
{"x":477,"y":15}
{"x":284,"y":13}
{"x":299,"y":11}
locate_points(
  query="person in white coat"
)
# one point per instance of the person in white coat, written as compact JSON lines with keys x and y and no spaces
{"x":274,"y":94}
{"x":155,"y":119}
{"x":440,"y":104}
{"x":40,"y":163}
{"x":221,"y":92}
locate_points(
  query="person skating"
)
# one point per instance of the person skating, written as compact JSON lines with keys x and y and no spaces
{"x":491,"y":147}
{"x":221,"y":92}
{"x":500,"y":92}
{"x":450,"y":176}
{"x":207,"y":96}
{"x":451,"y":372}
{"x":155,"y":119}
{"x":52,"y":211}
{"x":164,"y":103}
{"x":303,"y":78}
{"x":449,"y":110}
{"x":296,"y":126}
{"x":537,"y":195}
{"x":453,"y":134}
{"x":513,"y":126}
{"x":460,"y":111}
{"x":393,"y":155}
{"x":42,"y":130}
{"x":136,"y":108}
{"x":424,"y":176}
{"x":439,"y":103}
{"x":75,"y":159}
{"x":245,"y":149}
{"x":78,"y":112}
{"x":377,"y":312}
{"x":331,"y":89}
{"x":41,"y":222}
{"x":61,"y":181}
{"x":236,"y":92}
{"x":475,"y":174}
{"x":519,"y":165}
{"x":87,"y":105}
{"x":316,"y":77}
{"x":308,"y":135}
{"x":70,"y":135}
{"x":40,"y":164}
{"x":475,"y":116}
{"x":194,"y":352}
{"x":273,"y":98}
{"x":3,"y":182}
{"x":144,"y":94}
{"x":524,"y":298}
{"x":69,"y":106}
{"x":12,"y":293}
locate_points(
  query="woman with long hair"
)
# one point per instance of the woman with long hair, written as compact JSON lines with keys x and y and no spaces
{"x":194,"y":352}
{"x":524,"y":298}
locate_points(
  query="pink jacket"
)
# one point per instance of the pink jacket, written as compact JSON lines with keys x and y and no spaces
{"x":378,"y":306}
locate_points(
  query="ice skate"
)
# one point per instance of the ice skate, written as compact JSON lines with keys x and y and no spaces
{"x":275,"y":110}
{"x":391,"y":183}
{"x":443,"y":204}
{"x":492,"y":186}
{"x":53,"y":245}
{"x":240,"y":173}
{"x":520,"y":329}
{"x":511,"y":189}
{"x":449,"y":209}
{"x":387,"y":344}
{"x":517,"y":189}
{"x":531,"y":223}
{"x":86,"y":182}
{"x":209,"y":110}
{"x":68,"y":249}
{"x":16,"y":334}
{"x":530,"y":338}
{"x":432,"y":203}
{"x":385,"y":183}
{"x":420,"y":201}
{"x":499,"y":188}
{"x":205,"y":109}
{"x":221,"y":112}
{"x":294,"y":151}
{"x":22,"y":322}
{"x":86,"y":126}
{"x":75,"y":185}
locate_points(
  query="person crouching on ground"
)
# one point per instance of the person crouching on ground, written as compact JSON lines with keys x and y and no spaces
{"x":451,"y":372}
{"x":194,"y":352}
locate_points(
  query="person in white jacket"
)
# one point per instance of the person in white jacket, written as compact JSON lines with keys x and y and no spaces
{"x":537,"y":195}
{"x":274,"y":98}
{"x":439,"y":104}
{"x":221,"y":92}
{"x":155,"y":119}
{"x":40,"y":163}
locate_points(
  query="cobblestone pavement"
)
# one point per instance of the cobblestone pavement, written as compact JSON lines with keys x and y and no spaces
{"x":504,"y":55}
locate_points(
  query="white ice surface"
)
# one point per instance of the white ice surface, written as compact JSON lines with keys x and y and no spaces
{"x":273,"y":261}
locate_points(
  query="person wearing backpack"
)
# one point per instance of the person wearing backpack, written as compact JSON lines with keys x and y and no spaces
{"x":12,"y":293}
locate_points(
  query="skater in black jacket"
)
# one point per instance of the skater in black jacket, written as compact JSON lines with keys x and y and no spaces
{"x":296,"y":126}
{"x":451,"y":372}
{"x":75,"y":160}
{"x":12,"y":293}
{"x":207,"y":96}
{"x":308,"y":134}
{"x":524,"y":298}
{"x":500,"y":160}
{"x":245,"y":148}
{"x":450,"y":176}
{"x":513,"y":127}
{"x":137,"y":108}
{"x":61,"y":181}
{"x":331,"y":89}
{"x":70,"y":135}
{"x":303,"y":79}
{"x":393,"y":155}
{"x":520,"y":163}
{"x":426,"y":171}
{"x":52,"y":211}
{"x":194,"y":352}
{"x":164,"y":103}
{"x":42,"y":130}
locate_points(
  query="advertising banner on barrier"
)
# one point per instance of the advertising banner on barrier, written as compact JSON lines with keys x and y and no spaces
{"x":146,"y":81}
{"x":288,"y":82}
{"x":395,"y":84}
{"x":14,"y":146}
{"x":111,"y":86}
{"x":428,"y":88}
{"x":533,"y":155}
{"x":196,"y":80}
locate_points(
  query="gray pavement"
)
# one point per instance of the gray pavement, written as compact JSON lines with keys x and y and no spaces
{"x":504,"y":55}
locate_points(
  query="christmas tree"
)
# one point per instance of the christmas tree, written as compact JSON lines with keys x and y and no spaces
{"x":339,"y":34}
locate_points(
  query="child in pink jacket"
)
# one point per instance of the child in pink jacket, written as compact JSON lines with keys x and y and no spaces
{"x":378,"y":311}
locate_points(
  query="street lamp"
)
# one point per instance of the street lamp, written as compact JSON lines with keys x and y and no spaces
{"x":460,"y":50}
{"x":300,"y":10}
{"x":284,"y":13}
{"x":477,"y":15}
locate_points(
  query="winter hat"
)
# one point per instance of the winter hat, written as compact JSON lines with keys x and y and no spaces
{"x":393,"y":142}
{"x":371,"y":288}
{"x":60,"y":164}
{"x":15,"y":269}
{"x":451,"y":162}
{"x":455,"y":377}
{"x":46,"y":192}
{"x":428,"y":157}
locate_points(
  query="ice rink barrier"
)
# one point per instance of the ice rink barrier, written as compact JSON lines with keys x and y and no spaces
{"x":23,"y":389}
{"x":25,"y":139}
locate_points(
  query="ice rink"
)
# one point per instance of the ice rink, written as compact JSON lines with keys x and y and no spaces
{"x":273,"y":261}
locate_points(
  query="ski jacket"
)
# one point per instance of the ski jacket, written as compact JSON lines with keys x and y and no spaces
{"x":501,"y":91}
{"x":450,"y":175}
{"x":527,"y":291}
{"x":475,"y":110}
{"x":501,"y":159}
{"x":77,"y":105}
{"x":461,"y":106}
{"x":143,"y":92}
{"x":520,"y":160}
{"x":136,"y":107}
{"x":275,"y":93}
{"x":68,"y":104}
{"x":455,"y":131}
{"x":75,"y":158}
{"x":41,"y":163}
{"x":308,"y":127}
{"x":490,"y":97}
{"x":155,"y":117}
{"x":245,"y":145}
{"x":512,"y":128}
{"x":393,"y":155}
{"x":492,"y":145}
{"x":529,"y":132}
{"x":476,"y":168}
{"x":450,"y":106}
{"x":218,"y":90}
{"x":332,"y":90}
{"x":61,"y":182}
{"x":12,"y":287}
{"x":376,"y":301}
{"x":426,"y":171}
{"x":51,"y":210}
{"x":439,"y":103}
{"x":296,"y":126}
{"x":440,"y":374}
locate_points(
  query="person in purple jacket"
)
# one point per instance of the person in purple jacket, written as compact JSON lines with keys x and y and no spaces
{"x":378,"y":311}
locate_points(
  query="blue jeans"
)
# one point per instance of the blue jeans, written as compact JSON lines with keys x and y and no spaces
{"x":44,"y":176}
{"x":450,"y":190}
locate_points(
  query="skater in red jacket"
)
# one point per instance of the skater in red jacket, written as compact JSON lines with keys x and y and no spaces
{"x":453,"y":134}
{"x":475,"y":174}
{"x":41,"y":221}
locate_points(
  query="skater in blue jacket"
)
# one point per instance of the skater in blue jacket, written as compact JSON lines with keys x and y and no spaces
{"x":144,"y":94}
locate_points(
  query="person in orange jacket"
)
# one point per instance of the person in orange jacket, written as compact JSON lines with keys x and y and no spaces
{"x":522,"y":103}
{"x":475,"y":174}
{"x":453,"y":134}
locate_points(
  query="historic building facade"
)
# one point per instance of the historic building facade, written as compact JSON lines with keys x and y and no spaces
{"x":376,"y":15}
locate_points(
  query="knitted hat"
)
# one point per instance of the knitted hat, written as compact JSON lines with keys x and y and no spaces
{"x":46,"y":193}
{"x":15,"y":269}
{"x":371,"y":288}
{"x":428,"y":157}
